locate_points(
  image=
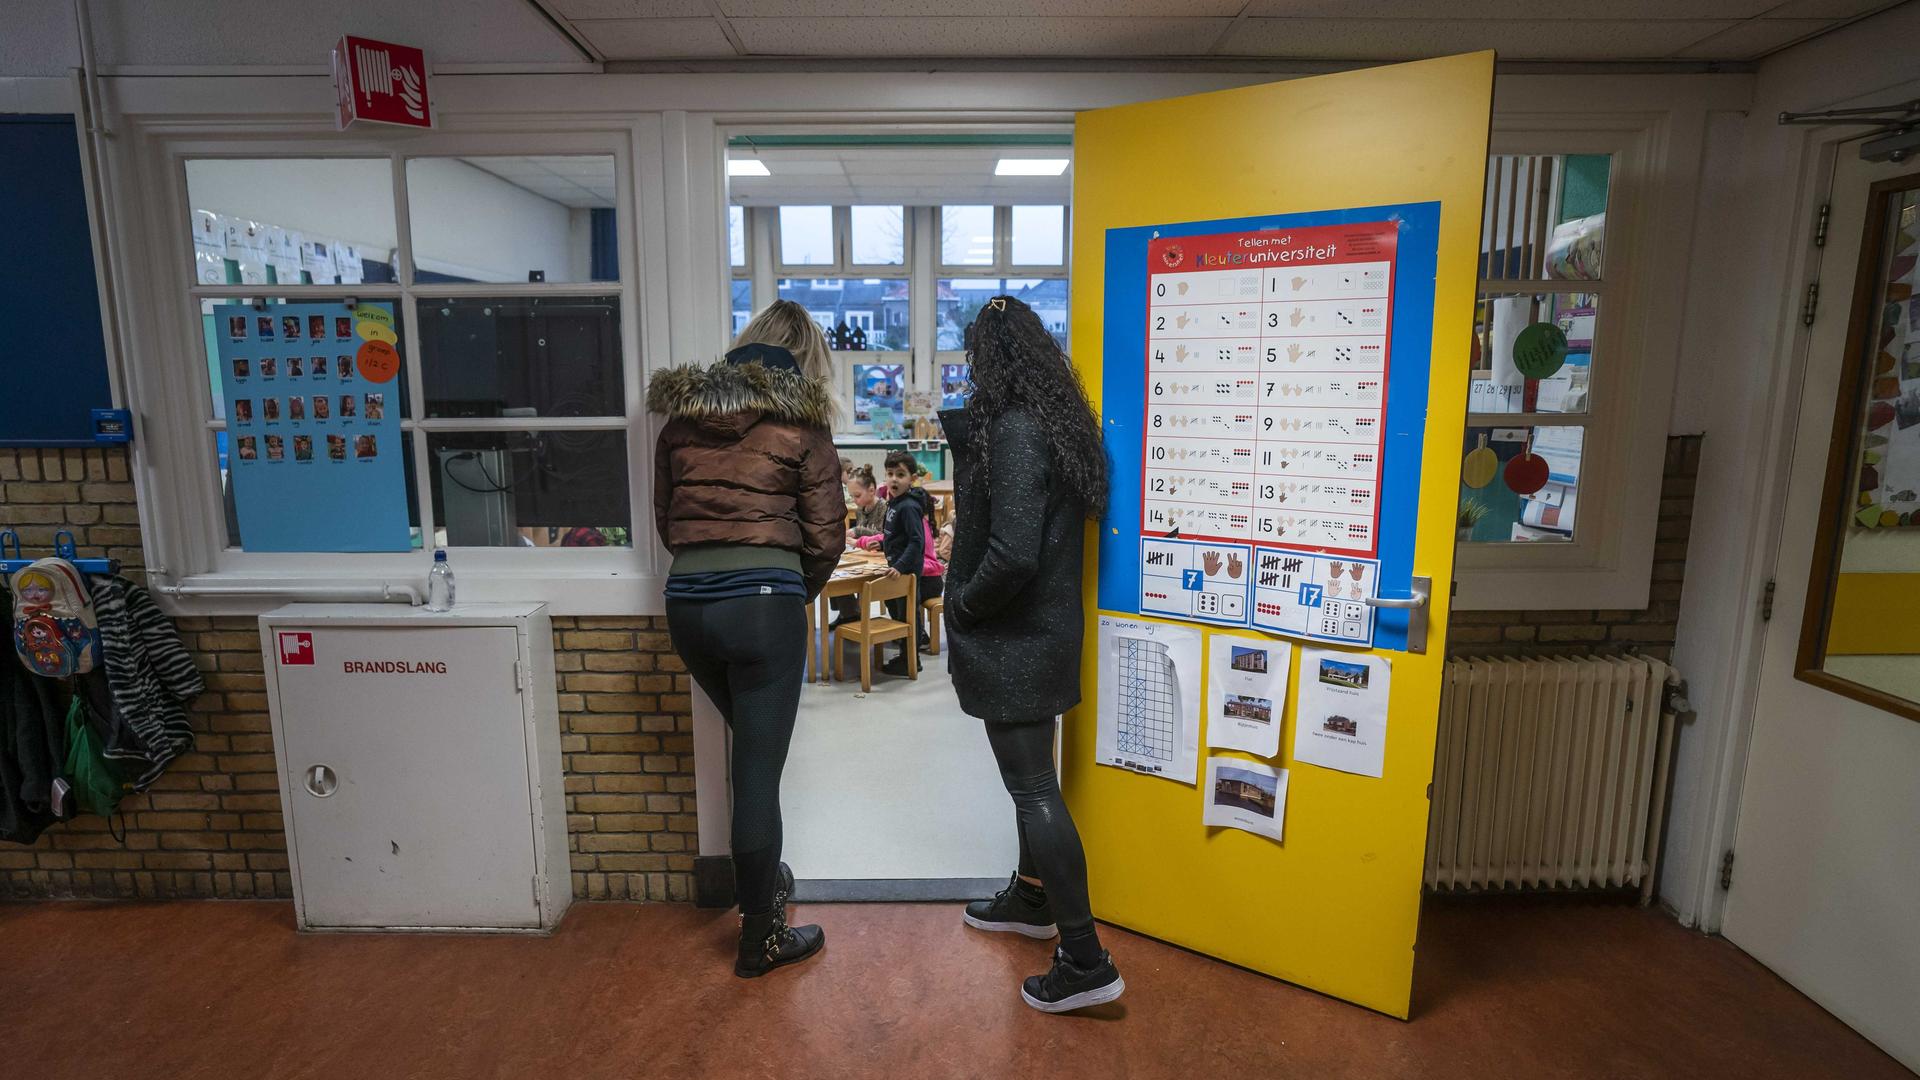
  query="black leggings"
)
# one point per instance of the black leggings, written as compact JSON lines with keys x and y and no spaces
{"x":749,"y":654}
{"x":1050,"y":849}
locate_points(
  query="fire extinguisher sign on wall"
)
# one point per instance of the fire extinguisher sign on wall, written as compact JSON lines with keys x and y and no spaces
{"x":380,"y":82}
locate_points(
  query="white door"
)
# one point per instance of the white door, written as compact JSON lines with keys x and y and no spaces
{"x":424,"y":816}
{"x":1826,"y":874}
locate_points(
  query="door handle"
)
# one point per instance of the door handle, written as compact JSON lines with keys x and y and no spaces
{"x":322,"y":781}
{"x":1415,"y":605}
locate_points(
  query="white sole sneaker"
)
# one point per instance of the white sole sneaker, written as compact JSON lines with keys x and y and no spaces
{"x":1040,"y":933}
{"x":1086,"y":999}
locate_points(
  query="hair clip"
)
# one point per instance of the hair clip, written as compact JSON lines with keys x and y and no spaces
{"x":998,"y":303}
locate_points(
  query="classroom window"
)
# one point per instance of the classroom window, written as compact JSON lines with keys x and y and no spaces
{"x":878,"y":234}
{"x":967,"y":236}
{"x":1038,"y":236}
{"x":737,"y":236}
{"x":291,"y":221}
{"x":958,"y":300}
{"x":1539,"y":347}
{"x":858,"y":314}
{"x":513,"y":219}
{"x":521,"y":356}
{"x":530,"y":489}
{"x":806,"y":236}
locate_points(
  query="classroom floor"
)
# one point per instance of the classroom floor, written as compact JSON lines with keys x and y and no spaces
{"x":894,"y":784}
{"x":1535,"y":988}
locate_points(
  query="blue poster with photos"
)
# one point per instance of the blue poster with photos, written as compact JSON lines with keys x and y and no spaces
{"x":313,"y":426}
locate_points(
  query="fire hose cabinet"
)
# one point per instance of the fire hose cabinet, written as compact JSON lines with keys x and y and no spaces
{"x":419,"y":759}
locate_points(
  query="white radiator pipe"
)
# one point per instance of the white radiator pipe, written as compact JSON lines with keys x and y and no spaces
{"x":385,"y":593}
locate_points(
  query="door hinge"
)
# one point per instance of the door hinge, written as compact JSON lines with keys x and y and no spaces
{"x":1766,"y":602}
{"x":519,"y":676}
{"x":1812,"y":305}
{"x":1820,"y":225}
{"x":1726,"y":870}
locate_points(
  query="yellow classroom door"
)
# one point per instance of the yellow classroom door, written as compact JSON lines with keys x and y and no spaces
{"x":1272,"y":305}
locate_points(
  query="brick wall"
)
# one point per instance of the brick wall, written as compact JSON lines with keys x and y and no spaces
{"x":211,"y":826}
{"x":1649,"y":631}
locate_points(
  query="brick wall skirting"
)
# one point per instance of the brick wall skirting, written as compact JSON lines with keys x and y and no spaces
{"x":211,"y":827}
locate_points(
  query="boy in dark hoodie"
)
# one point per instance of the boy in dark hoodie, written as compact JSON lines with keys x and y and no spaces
{"x":903,"y":540}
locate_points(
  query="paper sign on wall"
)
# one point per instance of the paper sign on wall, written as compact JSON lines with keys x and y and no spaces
{"x":1246,"y":692}
{"x":1149,"y":705}
{"x":313,"y":428}
{"x":1341,"y":718}
{"x":1245,"y":795}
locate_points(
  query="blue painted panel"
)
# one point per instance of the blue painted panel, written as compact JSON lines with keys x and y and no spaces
{"x":55,"y":372}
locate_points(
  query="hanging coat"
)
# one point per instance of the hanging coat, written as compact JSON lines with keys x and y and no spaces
{"x":150,"y":681}
{"x":33,"y":747}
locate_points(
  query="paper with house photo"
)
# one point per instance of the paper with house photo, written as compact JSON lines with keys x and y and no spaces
{"x":1340,"y":717}
{"x":1247,"y":795}
{"x":1148,"y":714}
{"x":1246,"y":692}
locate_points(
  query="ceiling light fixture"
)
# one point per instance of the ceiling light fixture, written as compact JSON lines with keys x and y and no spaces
{"x":1031,"y":167}
{"x":747,"y":167}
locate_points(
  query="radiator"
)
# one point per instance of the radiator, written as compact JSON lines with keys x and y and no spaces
{"x":1549,"y":773}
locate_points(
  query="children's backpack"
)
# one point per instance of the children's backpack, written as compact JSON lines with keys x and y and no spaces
{"x":54,"y":628}
{"x":930,"y":565}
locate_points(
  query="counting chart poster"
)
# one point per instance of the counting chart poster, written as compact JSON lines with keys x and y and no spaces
{"x":1304,"y":502}
{"x":313,"y":426}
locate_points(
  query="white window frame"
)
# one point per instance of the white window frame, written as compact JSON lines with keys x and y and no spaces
{"x":1609,"y":562}
{"x":184,"y":522}
{"x":1003,"y":265}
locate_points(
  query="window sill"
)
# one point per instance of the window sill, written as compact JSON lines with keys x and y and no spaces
{"x":592,"y":593}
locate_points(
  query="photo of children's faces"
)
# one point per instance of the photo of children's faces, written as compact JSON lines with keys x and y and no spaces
{"x":316,"y":326}
{"x":376,"y":406}
{"x":303,"y":448}
{"x":364,"y":447}
{"x":249,"y":449}
{"x":290,"y":327}
{"x":269,"y":367}
{"x":296,"y":408}
{"x":243,"y":410}
{"x":322,"y":407}
{"x":346,"y":406}
{"x":296,"y":367}
{"x":317,"y":365}
{"x":237,"y":327}
{"x":276,"y":448}
{"x":270,"y":410}
{"x":336,"y":448}
{"x":345,"y":364}
{"x":266,"y":327}
{"x":342,"y":327}
{"x":241,"y":368}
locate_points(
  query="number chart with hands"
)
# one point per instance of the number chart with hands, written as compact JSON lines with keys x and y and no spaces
{"x":1263,"y":425}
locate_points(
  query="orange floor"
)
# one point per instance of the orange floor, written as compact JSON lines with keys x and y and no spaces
{"x":1536,"y":988}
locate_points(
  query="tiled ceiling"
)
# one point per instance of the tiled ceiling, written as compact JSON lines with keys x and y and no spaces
{"x":905,"y":175}
{"x":1322,"y":30}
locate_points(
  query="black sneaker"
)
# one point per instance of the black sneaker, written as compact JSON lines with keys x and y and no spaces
{"x":1012,"y":910}
{"x":895,"y":666}
{"x":1068,"y":987}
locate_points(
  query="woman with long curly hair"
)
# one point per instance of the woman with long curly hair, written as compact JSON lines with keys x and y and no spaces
{"x":1032,"y":470}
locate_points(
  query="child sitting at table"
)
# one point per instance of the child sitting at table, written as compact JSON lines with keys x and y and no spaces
{"x":907,"y":541}
{"x":869,"y":513}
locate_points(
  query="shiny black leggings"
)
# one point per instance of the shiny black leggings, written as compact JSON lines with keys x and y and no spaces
{"x":1050,"y":849}
{"x":749,"y":654}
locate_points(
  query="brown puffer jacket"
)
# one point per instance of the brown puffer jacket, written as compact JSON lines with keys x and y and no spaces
{"x":747,"y":457}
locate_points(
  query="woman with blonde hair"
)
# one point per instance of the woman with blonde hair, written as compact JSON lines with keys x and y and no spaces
{"x":747,"y":497}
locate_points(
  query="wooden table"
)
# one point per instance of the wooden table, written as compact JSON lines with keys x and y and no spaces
{"x":856,"y":569}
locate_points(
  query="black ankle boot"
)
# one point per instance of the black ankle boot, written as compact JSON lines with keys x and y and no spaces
{"x":767,"y":942}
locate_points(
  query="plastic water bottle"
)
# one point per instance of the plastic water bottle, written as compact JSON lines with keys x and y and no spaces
{"x":440,"y":584}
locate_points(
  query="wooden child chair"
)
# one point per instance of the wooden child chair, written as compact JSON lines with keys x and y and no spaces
{"x":871,"y":632}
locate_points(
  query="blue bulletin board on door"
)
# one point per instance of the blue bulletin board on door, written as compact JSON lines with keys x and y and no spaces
{"x":1263,"y":475}
{"x":313,"y":424}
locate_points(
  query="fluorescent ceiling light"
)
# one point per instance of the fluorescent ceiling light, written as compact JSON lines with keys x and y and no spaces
{"x":746,"y":167}
{"x":1030,"y":167}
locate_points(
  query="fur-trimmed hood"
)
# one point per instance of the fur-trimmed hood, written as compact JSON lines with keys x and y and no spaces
{"x":721,"y":393}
